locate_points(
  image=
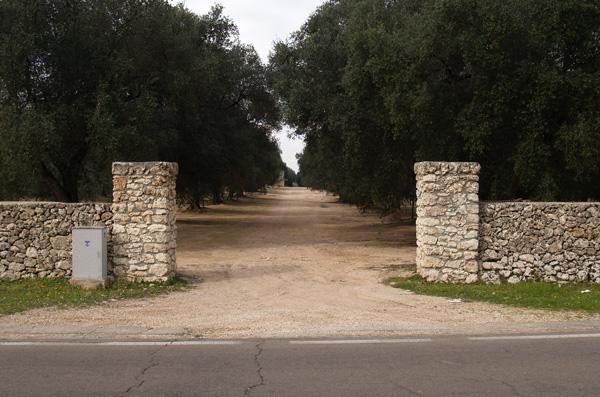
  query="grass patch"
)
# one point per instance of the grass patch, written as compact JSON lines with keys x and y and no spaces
{"x":540,"y":295}
{"x":21,"y":295}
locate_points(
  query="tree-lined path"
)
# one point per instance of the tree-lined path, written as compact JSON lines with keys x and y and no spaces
{"x":290,"y":263}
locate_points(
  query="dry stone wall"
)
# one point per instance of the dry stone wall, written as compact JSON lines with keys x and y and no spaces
{"x":447,"y":221}
{"x":35,"y":237}
{"x":461,"y":240}
{"x":525,"y":241}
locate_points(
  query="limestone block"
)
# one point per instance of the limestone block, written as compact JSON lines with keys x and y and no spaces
{"x":162,"y":257}
{"x":60,"y":242}
{"x":158,"y":228}
{"x":527,"y":258}
{"x":16,"y":267}
{"x":468,"y":245}
{"x":160,"y":270}
{"x":31,"y":252}
{"x":471,"y":266}
{"x":30,"y":262}
{"x":10,"y":275}
{"x":118,"y":229}
{"x":138,"y":268}
{"x":472,"y":278}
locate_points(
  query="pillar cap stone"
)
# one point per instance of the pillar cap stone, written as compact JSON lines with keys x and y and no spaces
{"x":444,"y":167}
{"x":145,"y":168}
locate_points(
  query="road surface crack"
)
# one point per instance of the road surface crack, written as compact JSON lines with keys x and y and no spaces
{"x":139,"y":378}
{"x":249,"y":389}
{"x":513,"y":388}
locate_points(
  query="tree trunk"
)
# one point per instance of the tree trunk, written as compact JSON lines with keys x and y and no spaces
{"x":71,"y":185}
{"x":54,"y":187}
{"x":216,"y":196}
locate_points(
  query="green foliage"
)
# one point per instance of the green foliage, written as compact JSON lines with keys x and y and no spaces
{"x":84,"y":83}
{"x":18,"y":296}
{"x":536,"y":295}
{"x":375,"y":85}
{"x":292,"y":178}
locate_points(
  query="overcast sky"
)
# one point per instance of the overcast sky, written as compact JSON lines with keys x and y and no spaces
{"x":260,"y":23}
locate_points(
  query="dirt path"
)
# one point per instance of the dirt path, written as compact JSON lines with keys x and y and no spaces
{"x":287,"y":264}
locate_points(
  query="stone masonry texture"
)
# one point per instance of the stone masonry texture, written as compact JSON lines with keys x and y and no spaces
{"x":144,"y":230}
{"x":525,"y":241}
{"x":461,"y":240}
{"x":448,"y":221}
{"x":35,"y":237}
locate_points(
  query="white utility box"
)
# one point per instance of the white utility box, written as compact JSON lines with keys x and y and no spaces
{"x":89,"y":257}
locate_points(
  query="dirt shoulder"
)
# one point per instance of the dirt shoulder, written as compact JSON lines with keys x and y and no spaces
{"x":291,"y":263}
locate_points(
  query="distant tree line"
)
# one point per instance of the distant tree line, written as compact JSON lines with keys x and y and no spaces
{"x":375,"y":85}
{"x":292,"y":178}
{"x":87,"y":82}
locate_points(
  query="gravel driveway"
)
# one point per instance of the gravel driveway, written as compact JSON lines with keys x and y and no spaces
{"x":289,"y":263}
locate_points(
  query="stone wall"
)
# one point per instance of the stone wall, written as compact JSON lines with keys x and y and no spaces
{"x":447,"y":221}
{"x":144,"y":230}
{"x":539,"y":241}
{"x":461,"y":240}
{"x":35,"y":237}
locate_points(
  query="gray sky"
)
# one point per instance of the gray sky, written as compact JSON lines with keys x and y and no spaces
{"x":262,"y":22}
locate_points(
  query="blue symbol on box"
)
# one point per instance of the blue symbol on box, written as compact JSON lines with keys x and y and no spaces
{"x":87,"y":243}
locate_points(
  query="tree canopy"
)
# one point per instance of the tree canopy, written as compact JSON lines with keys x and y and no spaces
{"x":375,"y":85}
{"x":87,"y":82}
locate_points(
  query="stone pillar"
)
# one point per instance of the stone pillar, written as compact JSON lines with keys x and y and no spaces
{"x":144,"y":231}
{"x":448,"y":221}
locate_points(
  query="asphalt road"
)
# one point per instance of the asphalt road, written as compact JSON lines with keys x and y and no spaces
{"x":461,"y":366}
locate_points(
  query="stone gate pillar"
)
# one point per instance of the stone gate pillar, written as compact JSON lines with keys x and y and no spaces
{"x":448,"y":221}
{"x":144,"y":231}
